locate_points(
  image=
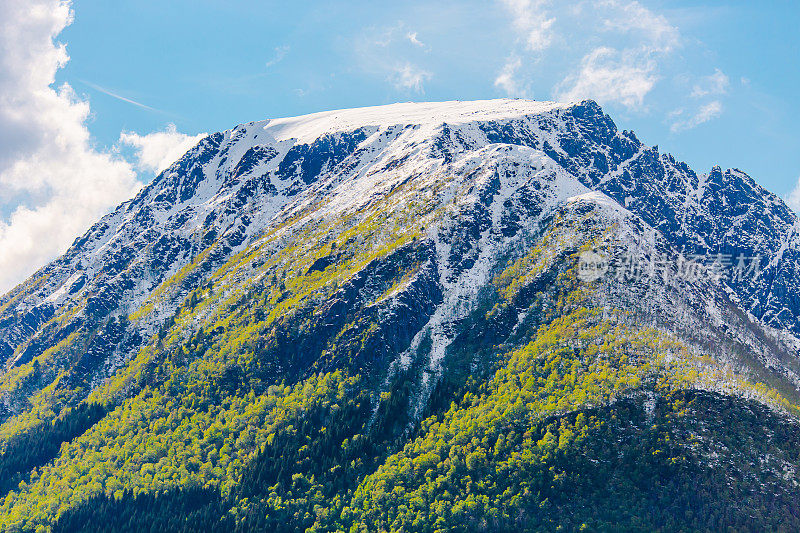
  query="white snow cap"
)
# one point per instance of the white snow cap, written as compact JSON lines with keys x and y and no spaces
{"x":309,"y":127}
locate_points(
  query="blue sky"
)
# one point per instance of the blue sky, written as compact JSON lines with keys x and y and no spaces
{"x":207,"y":66}
{"x":100,"y":95}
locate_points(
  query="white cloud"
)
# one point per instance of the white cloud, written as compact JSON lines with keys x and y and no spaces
{"x":383,"y":36}
{"x":280,"y":53}
{"x":704,"y":114}
{"x":633,"y":17}
{"x":53,"y":184}
{"x":388,"y":52}
{"x":715,"y":84}
{"x":622,"y":74}
{"x":408,"y":76}
{"x":534,"y":26}
{"x":793,"y":200}
{"x":507,"y":79}
{"x":531,"y":20}
{"x":158,"y":150}
{"x":608,"y":75}
{"x":412,"y":37}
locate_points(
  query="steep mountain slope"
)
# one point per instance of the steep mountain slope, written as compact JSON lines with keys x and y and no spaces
{"x":376,"y":318}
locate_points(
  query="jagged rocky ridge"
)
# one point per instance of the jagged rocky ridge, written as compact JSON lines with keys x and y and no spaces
{"x":376,"y":241}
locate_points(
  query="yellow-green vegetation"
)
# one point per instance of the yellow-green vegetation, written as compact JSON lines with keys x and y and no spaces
{"x":469,"y":465}
{"x":160,"y":439}
{"x":10,"y":379}
{"x":180,"y":407}
{"x":561,"y":236}
{"x":247,"y":409}
{"x":20,"y":290}
{"x":361,"y":237}
{"x":157,"y":294}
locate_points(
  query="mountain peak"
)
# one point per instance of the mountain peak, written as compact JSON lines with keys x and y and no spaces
{"x":308,"y":127}
{"x":301,"y":293}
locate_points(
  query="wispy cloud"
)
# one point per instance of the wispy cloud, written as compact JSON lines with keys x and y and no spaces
{"x":531,"y":20}
{"x":395,"y":53}
{"x":158,"y":150}
{"x":715,"y":84}
{"x":508,"y":80}
{"x":280,"y":53}
{"x":704,"y":114}
{"x":412,"y":38}
{"x":709,"y":88}
{"x":533,"y":26}
{"x":626,"y":74}
{"x":112,"y":94}
{"x":610,"y":75}
{"x":408,"y":76}
{"x":620,"y":46}
{"x":793,"y":199}
{"x":631,"y":17}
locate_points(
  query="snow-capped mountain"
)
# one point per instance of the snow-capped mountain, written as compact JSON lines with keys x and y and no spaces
{"x":234,"y":186}
{"x":408,"y":259}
